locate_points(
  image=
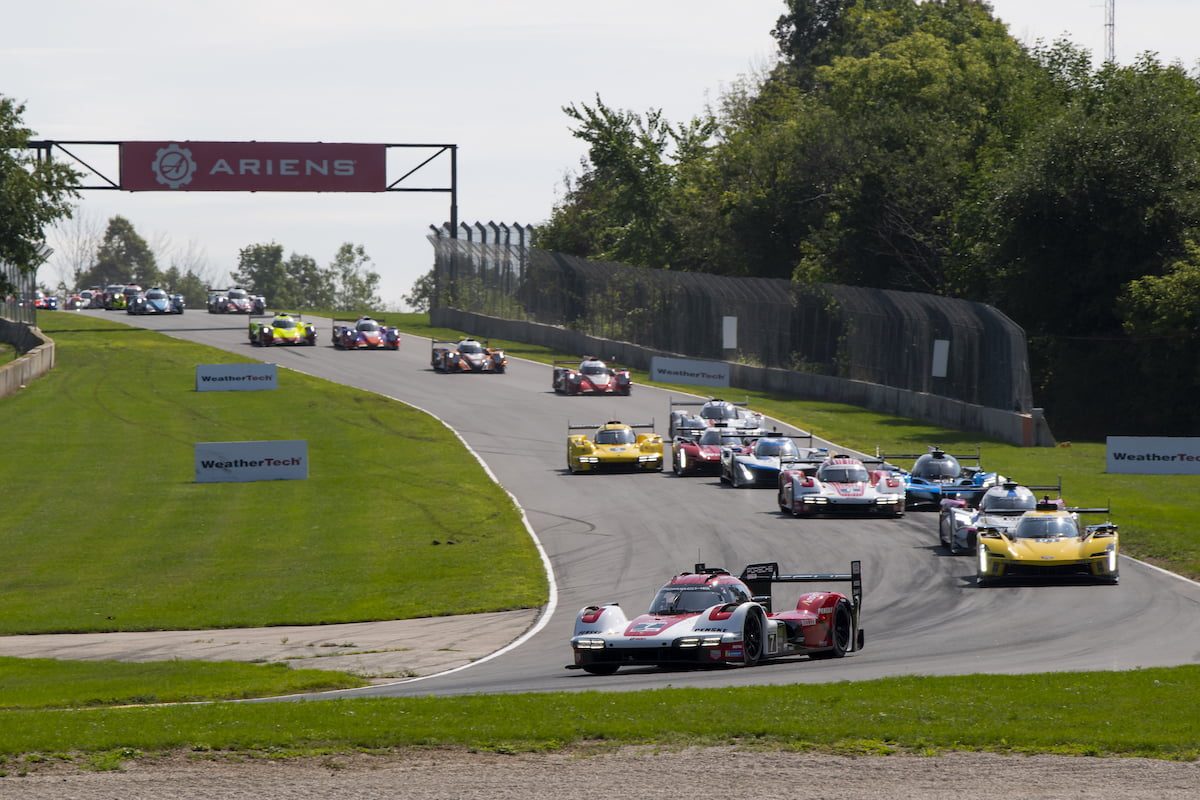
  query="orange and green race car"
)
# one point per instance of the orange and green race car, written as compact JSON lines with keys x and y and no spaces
{"x":282,"y":328}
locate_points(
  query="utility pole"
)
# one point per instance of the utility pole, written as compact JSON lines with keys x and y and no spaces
{"x":1110,"y":25}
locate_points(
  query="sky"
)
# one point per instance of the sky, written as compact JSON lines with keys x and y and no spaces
{"x":490,"y":77}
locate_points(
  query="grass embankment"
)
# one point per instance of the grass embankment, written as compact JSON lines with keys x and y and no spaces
{"x":1157,"y":513}
{"x":7,"y":353}
{"x":44,"y":683}
{"x":1072,"y":714}
{"x":105,"y":529}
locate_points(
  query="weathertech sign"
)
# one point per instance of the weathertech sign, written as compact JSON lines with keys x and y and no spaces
{"x":223,"y":462}
{"x":252,"y":167}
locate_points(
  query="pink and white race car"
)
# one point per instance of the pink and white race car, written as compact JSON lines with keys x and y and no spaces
{"x":841,"y":484}
{"x":708,"y":618}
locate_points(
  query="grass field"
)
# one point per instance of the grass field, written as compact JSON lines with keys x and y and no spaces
{"x":1091,"y":713}
{"x":1157,"y":513}
{"x":109,"y":530}
{"x":101,"y":519}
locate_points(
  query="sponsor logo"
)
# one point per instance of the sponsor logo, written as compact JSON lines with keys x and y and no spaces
{"x":173,"y":166}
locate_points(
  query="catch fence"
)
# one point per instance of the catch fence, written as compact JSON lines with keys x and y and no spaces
{"x":943,"y":346}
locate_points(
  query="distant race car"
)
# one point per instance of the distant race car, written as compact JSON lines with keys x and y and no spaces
{"x":614,"y":446}
{"x":45,"y":302}
{"x":155,"y":301}
{"x":758,"y":463}
{"x":1049,"y":541}
{"x":235,"y":301}
{"x":590,"y":376}
{"x":114,"y":297}
{"x":937,"y":474}
{"x":78,"y":300}
{"x":712,"y":412}
{"x":709,"y":618}
{"x":466,"y":355}
{"x":841,"y":484}
{"x":282,"y":328}
{"x":1000,"y":507}
{"x":699,"y":452}
{"x":365,"y":334}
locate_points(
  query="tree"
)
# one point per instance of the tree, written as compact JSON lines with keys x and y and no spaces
{"x":33,"y":194}
{"x":75,"y":241}
{"x":355,"y":286}
{"x":312,"y":287}
{"x":123,"y":256}
{"x":261,"y":269}
{"x":420,"y":296}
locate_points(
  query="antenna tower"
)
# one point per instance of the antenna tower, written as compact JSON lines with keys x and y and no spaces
{"x":1110,"y":25}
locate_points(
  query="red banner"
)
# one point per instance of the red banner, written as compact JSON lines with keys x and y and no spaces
{"x":253,"y":167}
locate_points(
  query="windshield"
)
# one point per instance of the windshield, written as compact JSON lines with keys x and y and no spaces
{"x":239,"y":294}
{"x":368,"y":325}
{"x":1045,"y":527}
{"x":693,"y":599}
{"x":1005,"y":500}
{"x":156,"y":294}
{"x":284,"y":322}
{"x":615,"y":436}
{"x":593,"y":368}
{"x":775,"y":447}
{"x":719,"y":411}
{"x":717,"y":436}
{"x":932,"y":468}
{"x":843,"y":473}
{"x":115,"y":289}
{"x":470,"y":348}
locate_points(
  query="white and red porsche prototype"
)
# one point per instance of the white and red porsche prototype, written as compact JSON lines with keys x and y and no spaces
{"x":708,"y":618}
{"x":841,"y":484}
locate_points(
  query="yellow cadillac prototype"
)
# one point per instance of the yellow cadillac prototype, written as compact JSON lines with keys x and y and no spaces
{"x":614,"y":446}
{"x":1050,"y":541}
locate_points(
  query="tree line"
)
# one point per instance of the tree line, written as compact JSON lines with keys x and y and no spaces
{"x":918,"y":146}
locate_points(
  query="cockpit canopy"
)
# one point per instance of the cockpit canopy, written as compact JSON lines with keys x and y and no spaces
{"x":694,"y":599}
{"x":719,"y":410}
{"x":1001,"y":498}
{"x":470,"y":347}
{"x":718,"y":436}
{"x":1039,"y":526}
{"x":775,"y":446}
{"x":843,"y":473}
{"x":615,"y":436}
{"x":937,"y":467}
{"x":367,"y":325}
{"x":593,"y":368}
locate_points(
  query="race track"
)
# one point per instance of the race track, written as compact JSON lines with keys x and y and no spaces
{"x":618,"y":537}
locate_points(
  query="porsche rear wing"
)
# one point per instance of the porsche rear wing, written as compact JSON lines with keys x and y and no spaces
{"x":672,"y":402}
{"x":759,"y":578}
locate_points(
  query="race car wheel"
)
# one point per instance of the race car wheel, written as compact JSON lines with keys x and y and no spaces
{"x":946,"y":534}
{"x":841,"y":632}
{"x":752,"y":638}
{"x":600,"y":669}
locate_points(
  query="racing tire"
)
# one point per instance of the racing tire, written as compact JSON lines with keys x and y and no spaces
{"x":735,"y":480}
{"x":600,"y":669}
{"x":946,"y":537}
{"x":753,"y":636}
{"x":841,"y":635}
{"x":675,"y":466}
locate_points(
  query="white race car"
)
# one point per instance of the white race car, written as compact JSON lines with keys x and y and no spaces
{"x":1000,"y":508}
{"x":734,"y":416}
{"x":841,"y":484}
{"x":708,"y":617}
{"x":757,"y":464}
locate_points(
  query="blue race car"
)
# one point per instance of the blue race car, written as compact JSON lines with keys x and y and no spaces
{"x":938,"y":475}
{"x":757,"y":464}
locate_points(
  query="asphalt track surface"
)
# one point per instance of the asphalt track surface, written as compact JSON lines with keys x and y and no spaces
{"x":618,"y":537}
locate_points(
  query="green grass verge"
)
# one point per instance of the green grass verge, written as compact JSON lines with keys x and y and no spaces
{"x":1094,"y":713}
{"x":32,"y":683}
{"x":1157,"y":513}
{"x":7,"y":353}
{"x":104,"y":528}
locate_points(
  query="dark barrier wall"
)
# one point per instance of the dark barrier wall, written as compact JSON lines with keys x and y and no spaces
{"x":37,"y":356}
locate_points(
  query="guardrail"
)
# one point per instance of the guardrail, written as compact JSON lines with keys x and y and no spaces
{"x":36,"y":359}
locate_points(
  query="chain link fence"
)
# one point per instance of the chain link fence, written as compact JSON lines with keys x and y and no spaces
{"x":17,"y":289}
{"x":923,"y":343}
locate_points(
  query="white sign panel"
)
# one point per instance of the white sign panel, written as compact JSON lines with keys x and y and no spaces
{"x":685,"y":370}
{"x":941,"y":357}
{"x":235,"y":377}
{"x":1154,"y":455}
{"x":224,"y":462}
{"x":729,"y":333}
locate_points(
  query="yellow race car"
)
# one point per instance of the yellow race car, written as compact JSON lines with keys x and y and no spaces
{"x":1049,"y":541}
{"x":614,"y":446}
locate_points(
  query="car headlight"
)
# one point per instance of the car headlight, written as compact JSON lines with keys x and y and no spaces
{"x":588,"y":644}
{"x":746,"y":473}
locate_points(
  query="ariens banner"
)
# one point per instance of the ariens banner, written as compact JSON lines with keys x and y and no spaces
{"x":1154,"y":455}
{"x":685,"y":370}
{"x":236,"y":377}
{"x":252,"y":167}
{"x":222,"y":462}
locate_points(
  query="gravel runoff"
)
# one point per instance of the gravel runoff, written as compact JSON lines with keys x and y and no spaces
{"x":643,"y":773}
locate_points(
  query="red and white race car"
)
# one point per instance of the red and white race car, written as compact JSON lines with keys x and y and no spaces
{"x":699,"y":452}
{"x":590,"y":376}
{"x":841,"y":484}
{"x":708,"y":617}
{"x":365,"y":334}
